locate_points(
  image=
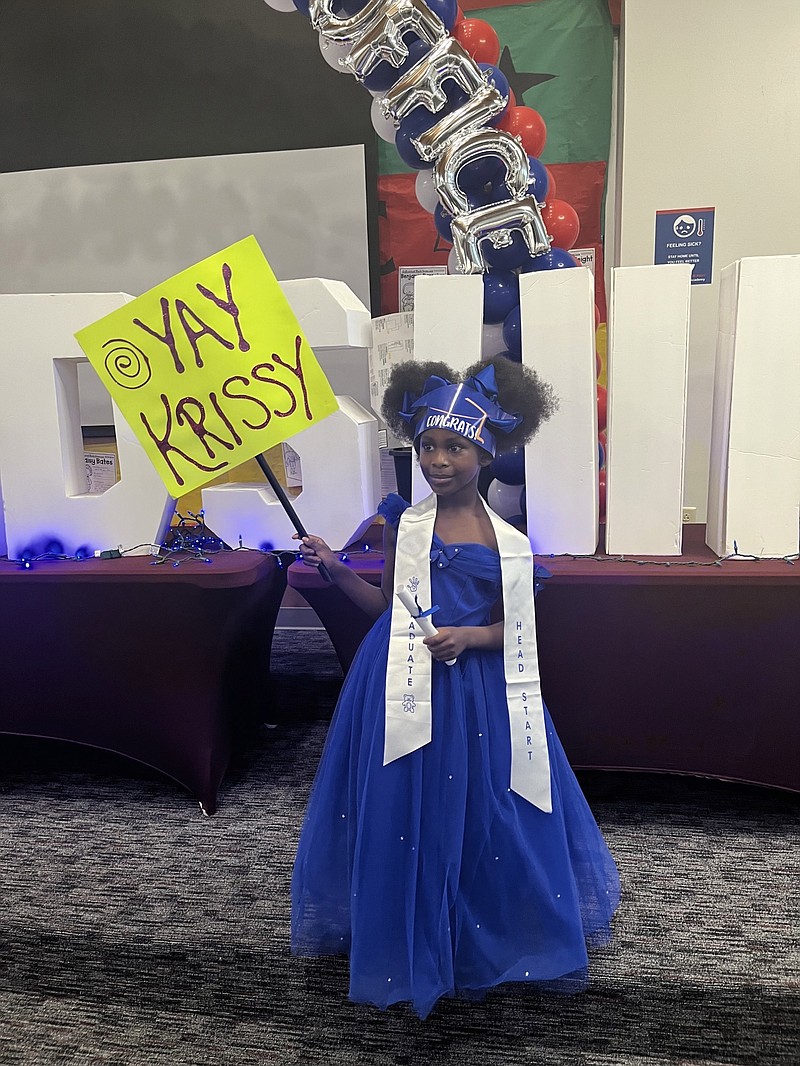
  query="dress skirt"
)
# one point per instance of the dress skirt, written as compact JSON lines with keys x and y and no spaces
{"x":430,"y":873}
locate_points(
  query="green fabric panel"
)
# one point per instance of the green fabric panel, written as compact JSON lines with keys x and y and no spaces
{"x":573,"y":40}
{"x":389,"y":162}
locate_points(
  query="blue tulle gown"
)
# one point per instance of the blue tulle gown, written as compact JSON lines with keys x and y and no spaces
{"x":430,"y":873}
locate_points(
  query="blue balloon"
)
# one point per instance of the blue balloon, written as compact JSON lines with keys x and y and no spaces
{"x":539,"y":179}
{"x":407,"y":151}
{"x":302,"y":7}
{"x":508,"y":257}
{"x":447,"y":10}
{"x":496,"y":78}
{"x":602,"y":454}
{"x":385,"y":75}
{"x":537,"y":187}
{"x":555,"y":259}
{"x":421,"y":119}
{"x":509,"y":467}
{"x":512,"y":330}
{"x":443,"y":222}
{"x":500,"y":294}
{"x":513,"y":357}
{"x":477,"y":197}
{"x":480,"y":172}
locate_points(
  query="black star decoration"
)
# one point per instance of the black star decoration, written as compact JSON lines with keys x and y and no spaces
{"x":520,"y":81}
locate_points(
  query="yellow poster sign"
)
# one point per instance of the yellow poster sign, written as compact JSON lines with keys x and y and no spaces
{"x":210,"y":367}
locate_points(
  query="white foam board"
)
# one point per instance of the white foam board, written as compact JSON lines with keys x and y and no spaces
{"x":754,"y":477}
{"x":448,"y":327}
{"x":648,"y":367}
{"x":338,"y":327}
{"x":561,"y":462}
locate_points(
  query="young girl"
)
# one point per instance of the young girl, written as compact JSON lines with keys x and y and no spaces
{"x":447,"y":846}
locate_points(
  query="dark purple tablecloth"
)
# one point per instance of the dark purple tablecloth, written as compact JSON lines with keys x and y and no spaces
{"x":691,"y":667}
{"x":162,"y":664}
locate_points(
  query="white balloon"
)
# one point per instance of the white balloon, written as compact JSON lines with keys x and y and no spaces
{"x":505,"y":500}
{"x":425,"y":190}
{"x":492,"y":342}
{"x":281,"y":5}
{"x":383,"y":126}
{"x":333,"y":52}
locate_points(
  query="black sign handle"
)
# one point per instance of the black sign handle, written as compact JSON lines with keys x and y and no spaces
{"x":286,"y":503}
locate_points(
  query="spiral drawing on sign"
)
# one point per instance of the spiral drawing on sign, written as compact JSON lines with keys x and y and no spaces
{"x":126,"y":364}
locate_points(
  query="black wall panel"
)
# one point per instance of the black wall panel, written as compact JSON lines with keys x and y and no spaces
{"x":106,"y":81}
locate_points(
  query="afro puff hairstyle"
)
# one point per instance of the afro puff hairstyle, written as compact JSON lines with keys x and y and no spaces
{"x":519,"y":391}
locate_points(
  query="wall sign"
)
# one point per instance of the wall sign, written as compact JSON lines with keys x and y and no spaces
{"x":686,"y":237}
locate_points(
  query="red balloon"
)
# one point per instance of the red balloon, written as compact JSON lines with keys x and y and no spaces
{"x":602,"y":494}
{"x":527,"y":124}
{"x":551,"y":184}
{"x":479,"y":39}
{"x":602,"y":407}
{"x":562,"y":223}
{"x":596,"y":316}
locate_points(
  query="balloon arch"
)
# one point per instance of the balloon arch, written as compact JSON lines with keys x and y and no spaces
{"x":441,"y":99}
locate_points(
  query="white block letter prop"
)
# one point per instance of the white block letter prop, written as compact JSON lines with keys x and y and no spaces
{"x":448,"y":318}
{"x":338,"y":327}
{"x":341,"y":487}
{"x":339,"y":458}
{"x":648,"y":362}
{"x":754,"y":476}
{"x":210,"y":368}
{"x":448,"y":326}
{"x":331,"y":314}
{"x":41,"y":446}
{"x":561,"y":462}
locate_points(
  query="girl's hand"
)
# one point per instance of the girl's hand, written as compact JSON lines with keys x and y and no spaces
{"x":314,"y":551}
{"x":448,"y":643}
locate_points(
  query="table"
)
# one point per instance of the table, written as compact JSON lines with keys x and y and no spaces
{"x":160,"y":663}
{"x":691,"y":667}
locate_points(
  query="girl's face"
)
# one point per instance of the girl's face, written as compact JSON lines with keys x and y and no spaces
{"x":449,"y":461}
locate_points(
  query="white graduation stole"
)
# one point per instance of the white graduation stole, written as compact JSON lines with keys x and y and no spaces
{"x":408,"y":668}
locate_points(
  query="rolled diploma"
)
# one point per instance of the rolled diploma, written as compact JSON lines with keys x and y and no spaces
{"x":425,"y":624}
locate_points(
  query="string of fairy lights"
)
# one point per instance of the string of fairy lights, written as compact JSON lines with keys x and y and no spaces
{"x":630,"y":559}
{"x":190,"y":540}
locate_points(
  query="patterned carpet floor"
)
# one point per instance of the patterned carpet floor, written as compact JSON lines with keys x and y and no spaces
{"x":135,"y":930}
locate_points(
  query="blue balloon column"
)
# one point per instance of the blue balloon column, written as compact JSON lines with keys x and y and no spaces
{"x":489,"y":176}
